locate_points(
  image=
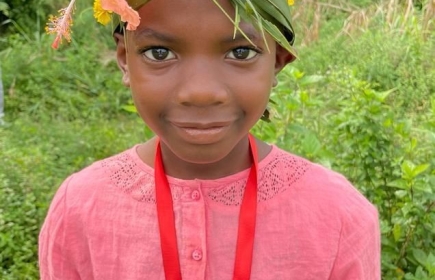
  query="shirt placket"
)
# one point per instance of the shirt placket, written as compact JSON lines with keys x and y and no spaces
{"x":191,"y":231}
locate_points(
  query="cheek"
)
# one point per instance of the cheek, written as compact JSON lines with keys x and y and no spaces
{"x":149,"y":101}
{"x":146,"y":97}
{"x":147,"y":90}
{"x":255,"y":89}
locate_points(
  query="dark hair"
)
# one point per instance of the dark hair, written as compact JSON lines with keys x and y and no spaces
{"x":120,"y":28}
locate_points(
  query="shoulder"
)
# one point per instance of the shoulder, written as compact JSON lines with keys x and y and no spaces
{"x":82,"y":211}
{"x":324,"y":212}
{"x":102,"y":189}
{"x":105,"y":179}
{"x":100,"y":172}
{"x":315,"y":187}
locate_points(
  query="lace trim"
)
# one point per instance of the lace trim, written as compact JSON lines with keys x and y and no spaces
{"x":272,"y":181}
{"x":274,"y":178}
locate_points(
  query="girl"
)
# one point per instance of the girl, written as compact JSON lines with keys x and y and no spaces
{"x":204,"y":199}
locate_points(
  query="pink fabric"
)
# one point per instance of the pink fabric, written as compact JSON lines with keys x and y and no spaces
{"x":311,"y":224}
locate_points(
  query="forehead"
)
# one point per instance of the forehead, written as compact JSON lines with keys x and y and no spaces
{"x":193,"y":17}
{"x":185,"y":7}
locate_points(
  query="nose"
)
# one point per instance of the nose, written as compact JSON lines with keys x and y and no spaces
{"x":202,"y":84}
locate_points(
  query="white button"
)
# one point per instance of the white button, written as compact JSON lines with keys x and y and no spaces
{"x":197,"y":255}
{"x":195,"y":195}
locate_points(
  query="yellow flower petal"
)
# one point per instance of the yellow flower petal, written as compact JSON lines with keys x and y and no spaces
{"x":290,"y":2}
{"x":102,"y":16}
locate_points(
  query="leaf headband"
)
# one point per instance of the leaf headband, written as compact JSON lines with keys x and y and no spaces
{"x":271,"y":16}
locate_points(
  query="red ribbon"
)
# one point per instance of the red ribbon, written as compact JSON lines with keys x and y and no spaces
{"x":247,"y":219}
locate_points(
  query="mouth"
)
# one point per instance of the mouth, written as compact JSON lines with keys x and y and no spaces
{"x":201,"y":125}
{"x":202,"y":133}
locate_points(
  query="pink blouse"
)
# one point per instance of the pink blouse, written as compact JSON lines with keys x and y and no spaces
{"x":311,"y":224}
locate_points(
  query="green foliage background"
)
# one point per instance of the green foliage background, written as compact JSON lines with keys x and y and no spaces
{"x":359,"y":100}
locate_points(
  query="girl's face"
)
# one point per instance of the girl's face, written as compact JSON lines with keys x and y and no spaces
{"x":198,"y":88}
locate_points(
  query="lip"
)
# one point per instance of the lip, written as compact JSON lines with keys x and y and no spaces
{"x":201,"y":133}
{"x":201,"y":125}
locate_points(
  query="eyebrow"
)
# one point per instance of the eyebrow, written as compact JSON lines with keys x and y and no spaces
{"x":253,"y":36}
{"x":150,"y":33}
{"x":239,"y":37}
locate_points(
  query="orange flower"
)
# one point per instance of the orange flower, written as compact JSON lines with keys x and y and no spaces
{"x":122,"y":8}
{"x":61,"y":26}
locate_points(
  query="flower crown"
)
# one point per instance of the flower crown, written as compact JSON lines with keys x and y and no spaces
{"x":272,"y":16}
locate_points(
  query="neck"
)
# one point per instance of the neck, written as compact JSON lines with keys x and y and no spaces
{"x":237,"y":160}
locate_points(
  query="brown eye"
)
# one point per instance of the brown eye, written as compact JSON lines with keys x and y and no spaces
{"x":242,"y":53}
{"x":159,"y":54}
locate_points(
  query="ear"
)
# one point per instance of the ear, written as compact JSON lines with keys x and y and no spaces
{"x":121,"y":56}
{"x":283,"y":57}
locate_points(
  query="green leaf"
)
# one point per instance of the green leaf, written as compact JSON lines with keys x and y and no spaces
{"x":413,"y":143}
{"x":398,"y":184}
{"x":397,"y":232}
{"x":276,"y":9}
{"x":312,"y":79}
{"x":304,"y":97}
{"x":277,"y":35}
{"x":311,"y":145}
{"x":264,"y":14}
{"x":381,"y":96}
{"x":4,"y":8}
{"x":423,"y":187}
{"x":430,"y":264}
{"x":298,"y":75}
{"x":419,"y":274}
{"x":260,"y":21}
{"x":235,"y":22}
{"x":419,"y":169}
{"x":407,"y":169}
{"x":129,"y":108}
{"x":296,"y":128}
{"x":419,"y":255}
{"x":401,"y":193}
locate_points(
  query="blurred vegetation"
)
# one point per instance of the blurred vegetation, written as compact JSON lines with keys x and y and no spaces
{"x":359,"y":100}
